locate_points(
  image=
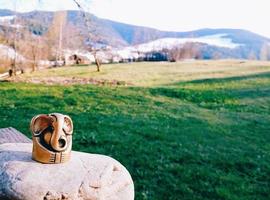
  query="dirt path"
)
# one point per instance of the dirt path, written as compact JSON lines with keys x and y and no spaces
{"x":67,"y":81}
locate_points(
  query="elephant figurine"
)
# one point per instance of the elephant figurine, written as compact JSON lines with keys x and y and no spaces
{"x":52,"y":138}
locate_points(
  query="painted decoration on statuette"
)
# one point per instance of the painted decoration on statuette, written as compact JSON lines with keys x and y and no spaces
{"x":52,"y":138}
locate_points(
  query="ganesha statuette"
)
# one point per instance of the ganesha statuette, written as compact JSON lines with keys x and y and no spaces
{"x":52,"y":138}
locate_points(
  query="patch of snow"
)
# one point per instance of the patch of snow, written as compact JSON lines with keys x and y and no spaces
{"x":16,"y":26}
{"x":6,"y":21}
{"x":219,"y":40}
{"x":7,"y":18}
{"x":128,"y":52}
{"x":89,"y":56}
{"x":8,"y":52}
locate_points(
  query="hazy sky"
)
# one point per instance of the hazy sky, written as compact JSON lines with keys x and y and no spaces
{"x":174,"y":15}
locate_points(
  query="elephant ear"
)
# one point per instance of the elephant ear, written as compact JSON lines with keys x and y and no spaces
{"x":68,"y":125}
{"x":39,"y":123}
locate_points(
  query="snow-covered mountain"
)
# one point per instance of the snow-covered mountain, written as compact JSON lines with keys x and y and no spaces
{"x":218,"y":40}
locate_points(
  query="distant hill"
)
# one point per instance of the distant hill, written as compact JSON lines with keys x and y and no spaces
{"x":118,"y":34}
{"x":5,"y":12}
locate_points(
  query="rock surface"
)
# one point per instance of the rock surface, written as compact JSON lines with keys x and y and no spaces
{"x":85,"y":177}
{"x":11,"y":135}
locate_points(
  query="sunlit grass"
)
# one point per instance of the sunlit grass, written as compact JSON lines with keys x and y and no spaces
{"x":204,"y":139}
{"x":157,"y":73}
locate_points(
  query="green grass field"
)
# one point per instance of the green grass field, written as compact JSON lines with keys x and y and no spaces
{"x":185,"y":131}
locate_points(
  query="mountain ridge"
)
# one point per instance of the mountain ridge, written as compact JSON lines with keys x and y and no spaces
{"x":118,"y":34}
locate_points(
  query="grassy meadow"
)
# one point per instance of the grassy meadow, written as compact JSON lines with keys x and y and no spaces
{"x":197,"y":130}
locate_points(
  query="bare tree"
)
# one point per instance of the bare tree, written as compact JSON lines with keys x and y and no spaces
{"x":265,"y":52}
{"x":187,"y":51}
{"x":72,"y":38}
{"x":34,"y":51}
{"x":91,"y":47}
{"x":55,"y":35}
{"x":252,"y":55}
{"x":13,"y":44}
{"x":97,"y":61}
{"x":6,"y":39}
